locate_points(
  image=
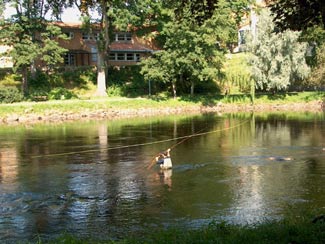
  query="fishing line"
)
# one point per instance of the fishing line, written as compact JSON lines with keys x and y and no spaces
{"x":152,"y":162}
{"x":182,"y":138}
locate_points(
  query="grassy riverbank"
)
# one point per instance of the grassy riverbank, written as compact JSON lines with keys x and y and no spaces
{"x":43,"y":110}
{"x":293,"y":230}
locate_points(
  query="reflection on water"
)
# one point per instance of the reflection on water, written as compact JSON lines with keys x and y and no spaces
{"x":92,"y":179}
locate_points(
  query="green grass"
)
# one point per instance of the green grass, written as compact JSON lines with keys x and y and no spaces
{"x":298,"y":230}
{"x":77,"y":106}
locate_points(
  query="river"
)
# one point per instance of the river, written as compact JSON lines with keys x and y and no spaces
{"x":95,"y":179}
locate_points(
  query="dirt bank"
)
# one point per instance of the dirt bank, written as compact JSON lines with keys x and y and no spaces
{"x":29,"y":117}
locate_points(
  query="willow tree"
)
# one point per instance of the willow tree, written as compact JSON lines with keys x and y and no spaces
{"x":278,"y":59}
{"x":115,"y":15}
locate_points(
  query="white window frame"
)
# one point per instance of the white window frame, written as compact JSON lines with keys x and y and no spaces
{"x":70,"y":59}
{"x":123,"y":37}
{"x":124,"y":57}
{"x":94,"y":54}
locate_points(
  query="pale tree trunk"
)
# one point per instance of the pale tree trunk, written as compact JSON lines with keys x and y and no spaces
{"x":174,"y":89}
{"x":24,"y":81}
{"x":103,"y":50}
{"x":192,"y":88}
{"x":33,"y":70}
{"x":101,"y":76}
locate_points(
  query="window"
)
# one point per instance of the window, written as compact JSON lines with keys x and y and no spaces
{"x":112,"y":56}
{"x":69,"y":59}
{"x":124,"y":57}
{"x":121,"y":56}
{"x":69,"y":35}
{"x":86,"y":36}
{"x":243,"y":36}
{"x":89,"y":36}
{"x":137,"y":57}
{"x":123,"y":37}
{"x":94,"y":54}
{"x":96,"y":36}
{"x":130,"y":56}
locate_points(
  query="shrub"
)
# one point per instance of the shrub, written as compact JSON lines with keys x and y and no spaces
{"x":60,"y":93}
{"x":114,"y":91}
{"x":38,"y":94}
{"x":10,"y":95}
{"x":8,"y":79}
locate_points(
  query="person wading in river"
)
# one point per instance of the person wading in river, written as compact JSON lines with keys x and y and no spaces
{"x":164,"y":160}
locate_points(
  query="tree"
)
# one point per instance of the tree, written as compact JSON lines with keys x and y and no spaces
{"x":194,"y":47}
{"x":278,"y":58}
{"x":115,"y":15}
{"x":31,"y":38}
{"x":298,"y":14}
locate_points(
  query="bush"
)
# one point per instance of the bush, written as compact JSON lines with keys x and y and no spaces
{"x":38,"y":95}
{"x":10,"y":95}
{"x":61,"y":93}
{"x":9,"y":79}
{"x":114,"y":91}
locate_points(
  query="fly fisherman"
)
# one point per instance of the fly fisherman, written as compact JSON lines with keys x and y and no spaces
{"x":164,"y":160}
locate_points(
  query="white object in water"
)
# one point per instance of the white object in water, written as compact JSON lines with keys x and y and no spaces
{"x":167,"y":164}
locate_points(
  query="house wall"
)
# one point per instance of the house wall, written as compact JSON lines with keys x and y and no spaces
{"x":83,"y":52}
{"x":5,"y":62}
{"x":83,"y":48}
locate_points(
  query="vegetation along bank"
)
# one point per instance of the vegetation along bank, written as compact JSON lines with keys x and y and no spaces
{"x":67,"y":110}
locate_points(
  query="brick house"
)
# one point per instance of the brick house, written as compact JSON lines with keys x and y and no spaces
{"x":126,"y":48}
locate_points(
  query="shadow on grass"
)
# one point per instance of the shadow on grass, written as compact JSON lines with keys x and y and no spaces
{"x":315,"y":96}
{"x":208,"y":100}
{"x":213,"y":100}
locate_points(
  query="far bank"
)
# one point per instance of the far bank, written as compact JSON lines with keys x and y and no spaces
{"x":111,"y":108}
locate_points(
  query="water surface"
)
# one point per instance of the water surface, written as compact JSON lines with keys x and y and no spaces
{"x":94,"y":179}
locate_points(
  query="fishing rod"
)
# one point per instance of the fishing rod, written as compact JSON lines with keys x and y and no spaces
{"x":182,"y":138}
{"x":153,"y":161}
{"x":199,"y":133}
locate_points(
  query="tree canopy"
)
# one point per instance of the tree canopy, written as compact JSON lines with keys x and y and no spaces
{"x":196,"y":39}
{"x":31,"y":38}
{"x":278,"y":59}
{"x":298,"y":14}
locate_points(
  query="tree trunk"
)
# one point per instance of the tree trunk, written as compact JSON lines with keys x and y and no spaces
{"x":33,"y":70}
{"x":174,"y":89}
{"x":103,"y":50}
{"x":25,"y":81}
{"x":252,"y":91}
{"x":192,"y":88}
{"x":101,"y":76}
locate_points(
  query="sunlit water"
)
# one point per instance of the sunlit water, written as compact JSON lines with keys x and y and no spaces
{"x":95,"y":179}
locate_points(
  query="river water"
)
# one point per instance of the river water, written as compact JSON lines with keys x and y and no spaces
{"x":96,"y":179}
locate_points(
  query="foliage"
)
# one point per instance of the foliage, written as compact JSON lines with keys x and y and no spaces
{"x":317,"y":77}
{"x":237,"y":74}
{"x":126,"y":81}
{"x":193,"y":52}
{"x":116,"y":16}
{"x":77,"y":106}
{"x":79,"y":81}
{"x":9,"y":79}
{"x":31,"y":38}
{"x":204,"y":10}
{"x":60,"y":93}
{"x":10,"y":95}
{"x":300,"y":229}
{"x":278,"y":58}
{"x":114,"y":91}
{"x":298,"y":14}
